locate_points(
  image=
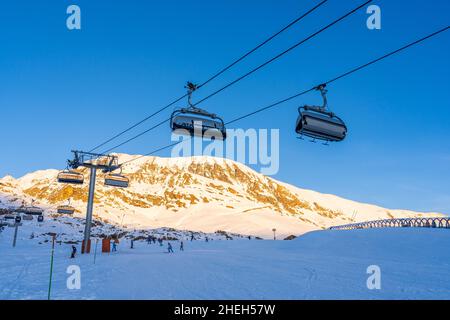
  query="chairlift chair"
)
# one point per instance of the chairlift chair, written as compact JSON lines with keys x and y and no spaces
{"x":31,"y":210}
{"x":34,"y":211}
{"x":116,"y":179}
{"x":318,"y":123}
{"x":196,"y":121}
{"x":70,"y":176}
{"x":65,"y":209}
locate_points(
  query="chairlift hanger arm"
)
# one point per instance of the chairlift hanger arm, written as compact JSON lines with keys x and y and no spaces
{"x":323,"y":92}
{"x":191,"y":88}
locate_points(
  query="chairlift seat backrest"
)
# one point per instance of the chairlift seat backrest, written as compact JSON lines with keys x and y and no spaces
{"x":65,"y":209}
{"x":320,"y":125}
{"x":116,"y":180}
{"x":70,"y":177}
{"x":35,"y":211}
{"x":27,"y":217}
{"x":198,"y":124}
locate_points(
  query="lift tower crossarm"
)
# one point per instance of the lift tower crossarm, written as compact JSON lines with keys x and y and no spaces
{"x":104,"y":162}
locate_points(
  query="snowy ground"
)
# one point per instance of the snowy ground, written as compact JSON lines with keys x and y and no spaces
{"x":414,"y":264}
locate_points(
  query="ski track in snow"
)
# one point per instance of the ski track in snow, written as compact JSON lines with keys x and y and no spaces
{"x":318,"y":265}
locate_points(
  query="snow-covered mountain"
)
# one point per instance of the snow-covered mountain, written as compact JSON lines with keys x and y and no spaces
{"x":196,"y":193}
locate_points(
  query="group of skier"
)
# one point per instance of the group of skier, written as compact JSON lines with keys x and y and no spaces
{"x":170,"y":248}
{"x":150,"y":239}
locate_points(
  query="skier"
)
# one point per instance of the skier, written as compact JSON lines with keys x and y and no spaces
{"x":206,"y":239}
{"x":192,"y":237}
{"x":169,"y":247}
{"x":132,"y":244}
{"x":74,"y":251}
{"x":114,"y":246}
{"x":160,"y":242}
{"x":181,"y":246}
{"x":149,"y":239}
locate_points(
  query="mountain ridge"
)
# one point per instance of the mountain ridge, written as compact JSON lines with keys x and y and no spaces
{"x":198,"y":193}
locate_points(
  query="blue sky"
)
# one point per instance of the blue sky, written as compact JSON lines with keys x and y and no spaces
{"x":62,"y":89}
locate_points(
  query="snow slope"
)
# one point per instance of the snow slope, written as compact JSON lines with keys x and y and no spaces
{"x":318,"y":265}
{"x":197,"y":193}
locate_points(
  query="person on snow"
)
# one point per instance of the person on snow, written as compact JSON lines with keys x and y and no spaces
{"x":132,"y":244}
{"x":74,"y":251}
{"x":149,"y":239}
{"x":114,"y":246}
{"x":181,"y":246}
{"x":192,"y":237}
{"x":169,"y":247}
{"x":206,"y":239}
{"x":160,"y":242}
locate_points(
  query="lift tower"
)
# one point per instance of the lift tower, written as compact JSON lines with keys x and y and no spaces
{"x":93,"y":161}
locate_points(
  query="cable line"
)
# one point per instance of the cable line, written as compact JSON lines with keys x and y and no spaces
{"x":136,"y":136}
{"x":283,"y":53}
{"x":139,"y":123}
{"x":215,"y":75}
{"x":260,"y":66}
{"x":263,"y":43}
{"x":345,"y":74}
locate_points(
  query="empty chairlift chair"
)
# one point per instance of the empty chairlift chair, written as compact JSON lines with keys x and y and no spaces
{"x":319,"y":123}
{"x":116,"y":180}
{"x":31,"y":210}
{"x":27,"y":217}
{"x":70,"y":176}
{"x":197,"y":122}
{"x":65,"y":209}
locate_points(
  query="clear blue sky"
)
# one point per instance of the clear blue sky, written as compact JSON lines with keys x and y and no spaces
{"x":62,"y":89}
